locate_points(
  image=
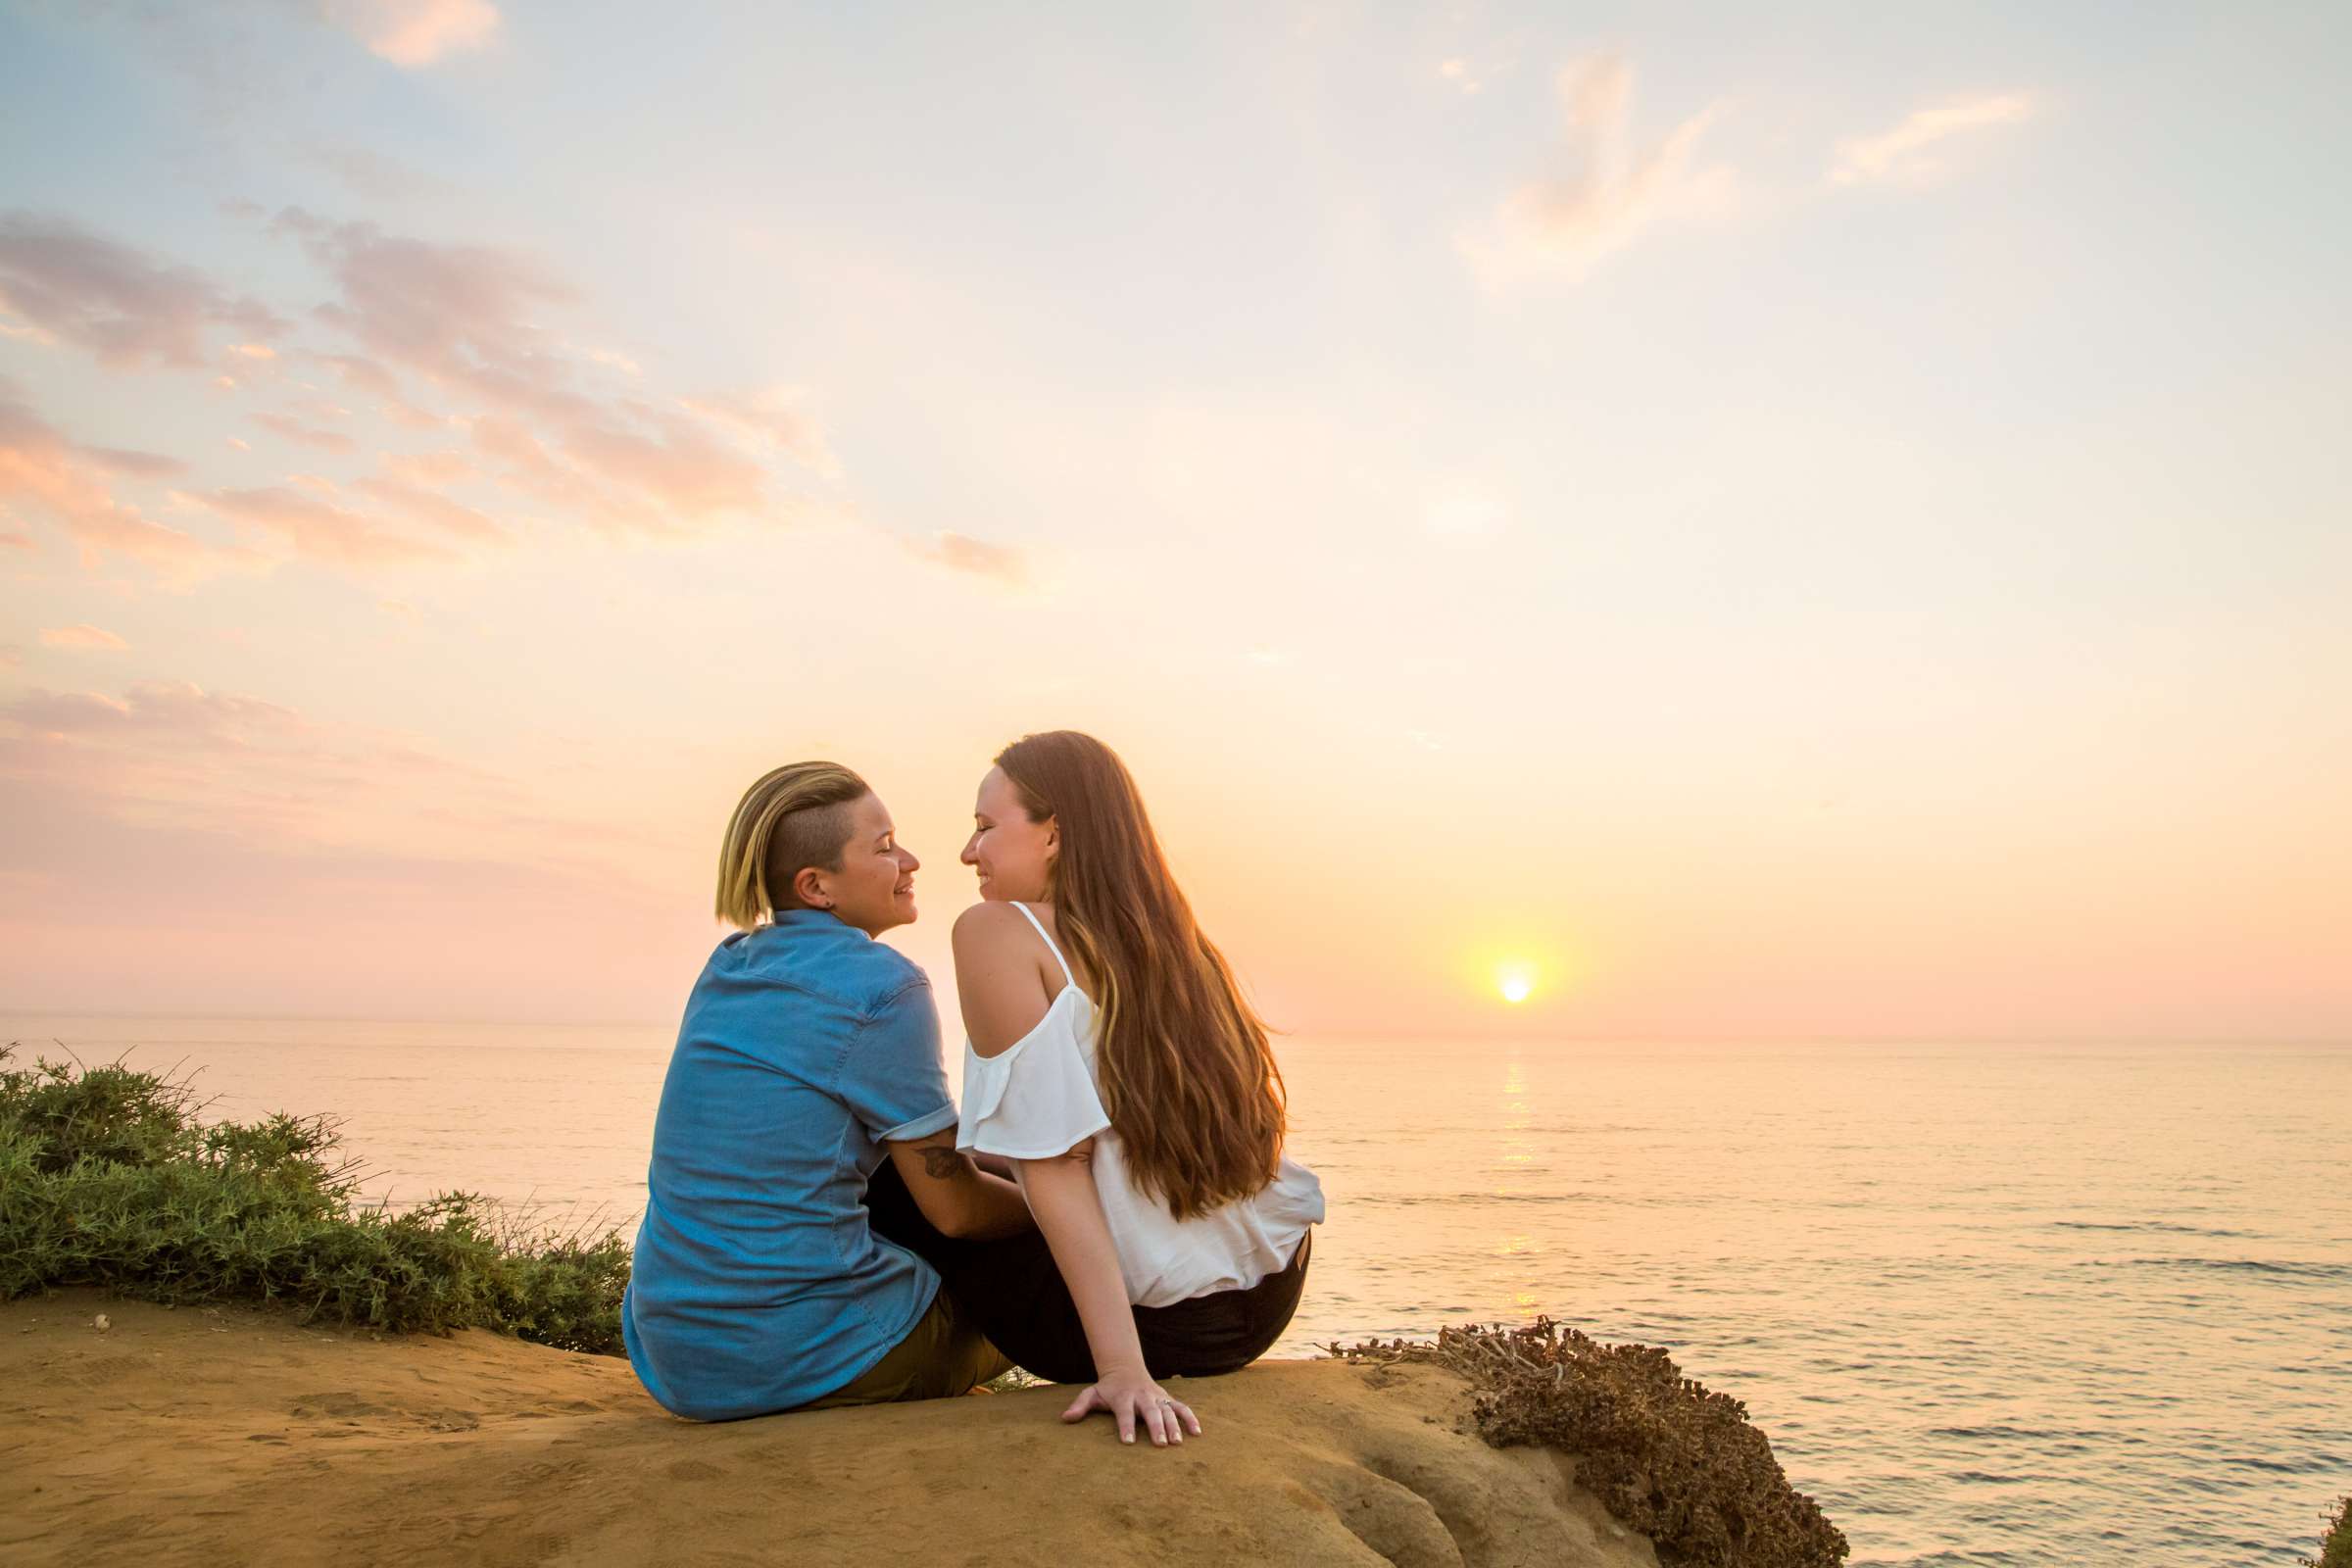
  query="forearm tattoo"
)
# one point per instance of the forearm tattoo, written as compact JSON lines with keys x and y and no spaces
{"x":945,"y":1164}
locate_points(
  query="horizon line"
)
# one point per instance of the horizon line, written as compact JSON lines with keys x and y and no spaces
{"x":1779,"y":1036}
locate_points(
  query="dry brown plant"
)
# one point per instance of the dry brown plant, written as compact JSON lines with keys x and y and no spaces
{"x":1667,"y":1456}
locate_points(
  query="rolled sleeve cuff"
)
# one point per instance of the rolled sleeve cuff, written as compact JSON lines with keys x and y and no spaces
{"x":921,"y":1127}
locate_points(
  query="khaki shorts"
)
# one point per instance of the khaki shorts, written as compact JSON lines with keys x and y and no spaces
{"x":940,"y":1356}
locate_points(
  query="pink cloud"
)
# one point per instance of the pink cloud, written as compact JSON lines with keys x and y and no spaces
{"x":319,"y":530}
{"x":430,"y":467}
{"x":138,"y":465}
{"x":363,"y":375}
{"x":1904,"y":155}
{"x":461,"y":316}
{"x":531,"y":468}
{"x":415,"y":419}
{"x":301,"y":435}
{"x":961,"y":552}
{"x":430,"y":506}
{"x":414,"y":32}
{"x":680,"y":468}
{"x":181,"y":709}
{"x":468,"y":319}
{"x":1601,"y":195}
{"x":40,"y":467}
{"x":82,"y":635}
{"x":778,"y":416}
{"x":128,"y":310}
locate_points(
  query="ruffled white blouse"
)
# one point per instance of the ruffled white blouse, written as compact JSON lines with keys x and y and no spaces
{"x":1039,"y":1098}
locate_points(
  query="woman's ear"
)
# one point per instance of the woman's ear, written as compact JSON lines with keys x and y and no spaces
{"x":808,"y":887}
{"x":1052,"y":837}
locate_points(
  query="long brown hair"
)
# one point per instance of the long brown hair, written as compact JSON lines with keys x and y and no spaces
{"x":1184,"y":1070}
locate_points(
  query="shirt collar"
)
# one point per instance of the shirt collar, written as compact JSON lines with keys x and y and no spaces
{"x":808,"y":917}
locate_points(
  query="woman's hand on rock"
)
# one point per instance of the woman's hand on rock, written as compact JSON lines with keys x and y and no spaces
{"x":1129,"y":1397}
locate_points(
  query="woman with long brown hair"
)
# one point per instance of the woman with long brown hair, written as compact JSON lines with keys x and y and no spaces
{"x":1114,"y":1061}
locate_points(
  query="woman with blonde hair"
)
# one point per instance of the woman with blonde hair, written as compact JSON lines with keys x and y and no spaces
{"x":804,"y":1155}
{"x":1113,"y":1059}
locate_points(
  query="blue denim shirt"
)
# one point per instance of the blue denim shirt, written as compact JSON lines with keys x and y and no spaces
{"x":757,"y":1284}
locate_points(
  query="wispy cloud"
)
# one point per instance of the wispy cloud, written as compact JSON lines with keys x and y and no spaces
{"x":961,"y":552}
{"x":471,"y":323}
{"x":372,"y":176}
{"x":670,"y":462}
{"x":1600,"y":194}
{"x":414,"y":32}
{"x":363,"y":375}
{"x":301,"y":435}
{"x":176,"y":752}
{"x":1915,"y":152}
{"x":82,"y":635}
{"x":429,"y":505}
{"x":318,"y":529}
{"x":436,"y":336}
{"x":127,"y":309}
{"x":138,"y":465}
{"x":462,"y":315}
{"x":176,"y":707}
{"x":42,"y":468}
{"x":430,"y":467}
{"x":778,"y":416}
{"x":1462,"y":74}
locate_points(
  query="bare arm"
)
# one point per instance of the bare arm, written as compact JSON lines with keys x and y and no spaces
{"x":1069,"y":1211}
{"x":1005,"y":992}
{"x":954,"y":1196}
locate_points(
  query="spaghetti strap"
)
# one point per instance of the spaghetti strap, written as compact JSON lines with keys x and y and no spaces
{"x":1049,"y":940}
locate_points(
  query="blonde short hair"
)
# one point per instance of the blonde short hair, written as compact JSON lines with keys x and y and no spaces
{"x":792,"y":819}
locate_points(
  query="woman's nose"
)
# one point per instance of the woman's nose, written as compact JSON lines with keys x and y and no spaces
{"x":968,"y":856}
{"x":912,"y":864}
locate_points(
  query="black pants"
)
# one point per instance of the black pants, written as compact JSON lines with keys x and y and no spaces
{"x":1013,"y":1290}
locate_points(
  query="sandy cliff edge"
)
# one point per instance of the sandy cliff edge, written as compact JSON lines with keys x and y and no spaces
{"x":212,"y":1435}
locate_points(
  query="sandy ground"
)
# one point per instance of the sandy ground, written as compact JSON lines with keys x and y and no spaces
{"x":233,"y":1434}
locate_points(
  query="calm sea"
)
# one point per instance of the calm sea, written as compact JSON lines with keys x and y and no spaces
{"x":1993,"y":1304}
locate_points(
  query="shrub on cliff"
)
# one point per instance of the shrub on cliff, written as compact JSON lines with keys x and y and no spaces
{"x":2335,"y":1547}
{"x":108,"y":1177}
{"x":1668,"y":1458}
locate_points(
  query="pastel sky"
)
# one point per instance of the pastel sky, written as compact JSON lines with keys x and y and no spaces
{"x":1769,"y":520}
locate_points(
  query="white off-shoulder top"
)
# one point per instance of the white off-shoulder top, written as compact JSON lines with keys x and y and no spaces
{"x":1039,"y":1098}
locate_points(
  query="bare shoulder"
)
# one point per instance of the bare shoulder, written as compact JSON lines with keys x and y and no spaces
{"x":997,"y":979}
{"x":990,"y":927}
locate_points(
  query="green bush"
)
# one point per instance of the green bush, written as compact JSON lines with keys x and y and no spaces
{"x":108,"y":1177}
{"x":2335,"y":1547}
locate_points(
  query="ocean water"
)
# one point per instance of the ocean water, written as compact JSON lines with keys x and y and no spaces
{"x":1993,"y":1304}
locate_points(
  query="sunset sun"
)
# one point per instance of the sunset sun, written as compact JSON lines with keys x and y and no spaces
{"x":1517,"y":982}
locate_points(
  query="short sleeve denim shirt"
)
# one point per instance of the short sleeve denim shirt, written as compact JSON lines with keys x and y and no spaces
{"x":757,"y":1284}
